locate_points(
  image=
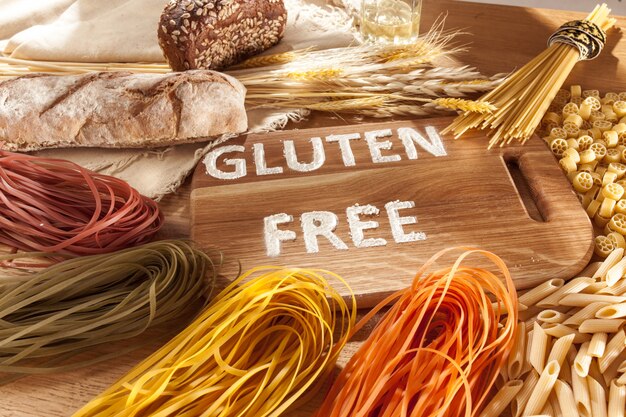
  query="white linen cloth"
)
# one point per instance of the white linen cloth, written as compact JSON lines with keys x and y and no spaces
{"x":125,"y":31}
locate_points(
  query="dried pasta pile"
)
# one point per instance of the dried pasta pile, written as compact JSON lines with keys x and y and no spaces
{"x":49,"y":317}
{"x":52,"y":205}
{"x":587,"y":133}
{"x":261,"y":347}
{"x":436,"y":352}
{"x":569,"y":357}
{"x":523,"y":99}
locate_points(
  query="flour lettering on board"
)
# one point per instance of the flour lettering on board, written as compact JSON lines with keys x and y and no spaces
{"x":229,"y":162}
{"x":318,"y":225}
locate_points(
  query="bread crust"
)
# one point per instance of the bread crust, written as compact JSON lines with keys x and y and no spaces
{"x":118,"y":109}
{"x":214,"y":34}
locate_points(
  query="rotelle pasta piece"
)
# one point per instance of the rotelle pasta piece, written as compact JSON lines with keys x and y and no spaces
{"x":437,"y":351}
{"x":53,"y":205}
{"x":50,"y":316}
{"x":259,"y":348}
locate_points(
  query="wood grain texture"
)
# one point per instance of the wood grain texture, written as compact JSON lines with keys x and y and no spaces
{"x":467,"y":198}
{"x":500,"y":38}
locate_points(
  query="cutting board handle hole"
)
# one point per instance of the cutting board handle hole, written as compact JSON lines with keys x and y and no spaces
{"x":524,"y":190}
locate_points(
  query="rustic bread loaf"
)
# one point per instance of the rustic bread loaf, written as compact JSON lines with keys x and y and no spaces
{"x":214,"y":34}
{"x":118,"y":110}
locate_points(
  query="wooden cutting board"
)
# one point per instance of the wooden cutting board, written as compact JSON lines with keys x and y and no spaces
{"x":374,"y":201}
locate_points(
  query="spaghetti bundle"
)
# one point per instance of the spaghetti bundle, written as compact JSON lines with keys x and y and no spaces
{"x":49,"y":317}
{"x":523,"y":99}
{"x":52,"y":205}
{"x":436,"y":352}
{"x":258,"y":349}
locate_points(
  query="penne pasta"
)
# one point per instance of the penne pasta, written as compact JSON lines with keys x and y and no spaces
{"x":582,"y":300}
{"x":581,"y":394}
{"x":560,"y":348}
{"x":595,"y":373}
{"x":574,"y":286}
{"x":595,"y":287}
{"x":598,"y":344}
{"x":586,"y":313}
{"x":526,"y":366}
{"x":612,"y":372}
{"x":597,"y":395}
{"x":552,"y":316}
{"x":529,"y":314}
{"x":590,"y":269}
{"x":560,"y":330}
{"x":614,"y":348}
{"x":502,"y":399}
{"x":532,"y":297}
{"x":538,"y":348}
{"x":519,"y":402}
{"x":613,"y":259}
{"x":617,"y":400}
{"x":583,"y":360}
{"x":565,"y":396}
{"x":566,"y":371}
{"x":517,"y":355}
{"x":552,"y":407}
{"x":618,"y":289}
{"x":613,"y":311}
{"x":600,"y":325}
{"x":541,"y":391}
{"x":615,"y":273}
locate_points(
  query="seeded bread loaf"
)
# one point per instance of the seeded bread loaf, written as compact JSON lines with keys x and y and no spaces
{"x":118,"y":110}
{"x":214,"y":34}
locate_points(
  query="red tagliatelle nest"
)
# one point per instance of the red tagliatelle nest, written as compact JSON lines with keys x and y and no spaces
{"x":52,"y":205}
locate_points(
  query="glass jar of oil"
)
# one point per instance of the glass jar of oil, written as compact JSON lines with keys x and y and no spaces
{"x":390,"y":21}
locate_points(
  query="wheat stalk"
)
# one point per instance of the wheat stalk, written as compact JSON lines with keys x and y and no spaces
{"x":268,"y":60}
{"x":379,"y":80}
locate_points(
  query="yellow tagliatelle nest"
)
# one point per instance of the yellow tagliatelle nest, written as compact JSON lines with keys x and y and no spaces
{"x":265,"y":343}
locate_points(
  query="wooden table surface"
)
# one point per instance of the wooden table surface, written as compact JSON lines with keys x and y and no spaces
{"x":502,"y":38}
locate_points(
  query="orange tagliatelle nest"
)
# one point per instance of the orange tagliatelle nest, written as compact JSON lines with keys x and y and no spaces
{"x":437,"y":351}
{"x":52,"y":205}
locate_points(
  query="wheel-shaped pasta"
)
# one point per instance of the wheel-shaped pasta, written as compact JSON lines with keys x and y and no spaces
{"x":583,"y":181}
{"x":573,"y":154}
{"x":585,"y":141}
{"x":569,"y":109}
{"x":603,"y":246}
{"x":613,"y":191}
{"x":568,"y":164}
{"x":618,"y":168}
{"x":606,"y":210}
{"x":619,"y":107}
{"x":559,"y":145}
{"x":617,"y":239}
{"x":572,"y":129}
{"x":597,"y":116}
{"x":611,"y":138}
{"x":618,"y":223}
{"x":598,"y":148}
{"x":602,"y":124}
{"x":609,"y":98}
{"x":612,"y":155}
{"x":620,"y":206}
